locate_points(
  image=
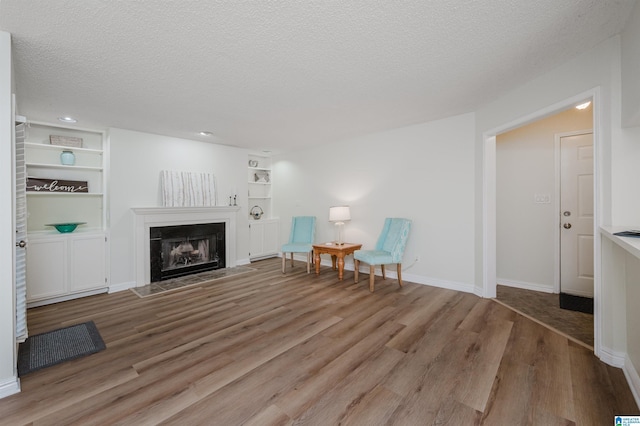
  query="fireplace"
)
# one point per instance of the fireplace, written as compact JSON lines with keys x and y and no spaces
{"x":148,"y":218}
{"x":186,"y":249}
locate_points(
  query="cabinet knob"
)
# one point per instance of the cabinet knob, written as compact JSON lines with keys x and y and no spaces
{"x":567,"y":226}
{"x":21,"y":244}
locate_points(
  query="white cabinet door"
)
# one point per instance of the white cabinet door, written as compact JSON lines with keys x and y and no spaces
{"x":46,"y":268}
{"x":59,"y":266}
{"x":263,"y":237}
{"x":256,"y":239}
{"x":86,"y":262}
{"x":270,"y":237}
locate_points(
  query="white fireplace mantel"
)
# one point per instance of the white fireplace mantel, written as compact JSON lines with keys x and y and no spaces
{"x":150,"y":217}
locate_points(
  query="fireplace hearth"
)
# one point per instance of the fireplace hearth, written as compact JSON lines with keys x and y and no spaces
{"x":181,"y":250}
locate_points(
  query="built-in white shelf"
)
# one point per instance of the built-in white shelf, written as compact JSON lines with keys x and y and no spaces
{"x":61,"y":166}
{"x":62,"y":148}
{"x":63,"y":194}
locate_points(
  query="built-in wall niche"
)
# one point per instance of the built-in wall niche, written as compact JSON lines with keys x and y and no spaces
{"x":259,"y":184}
{"x":44,"y":144}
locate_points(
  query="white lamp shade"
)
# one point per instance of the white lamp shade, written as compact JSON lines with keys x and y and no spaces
{"x":339,"y":214}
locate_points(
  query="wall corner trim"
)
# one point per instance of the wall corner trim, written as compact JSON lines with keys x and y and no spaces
{"x":9,"y":387}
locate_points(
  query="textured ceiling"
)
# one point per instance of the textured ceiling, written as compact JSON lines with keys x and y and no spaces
{"x":276,"y":75}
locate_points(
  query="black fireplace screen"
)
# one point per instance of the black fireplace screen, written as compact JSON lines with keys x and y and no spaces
{"x":186,"y":249}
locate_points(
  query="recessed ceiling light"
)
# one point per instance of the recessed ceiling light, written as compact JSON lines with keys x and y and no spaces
{"x":205,"y":133}
{"x":67,"y":119}
{"x":584,"y":105}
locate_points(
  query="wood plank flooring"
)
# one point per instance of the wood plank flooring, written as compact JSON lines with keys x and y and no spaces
{"x":263,"y":348}
{"x":545,"y":307}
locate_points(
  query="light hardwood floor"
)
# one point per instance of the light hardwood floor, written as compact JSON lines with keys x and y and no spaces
{"x":263,"y":348}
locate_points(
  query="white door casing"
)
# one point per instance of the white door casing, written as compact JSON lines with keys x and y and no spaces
{"x":576,"y":215}
{"x":20,"y":183}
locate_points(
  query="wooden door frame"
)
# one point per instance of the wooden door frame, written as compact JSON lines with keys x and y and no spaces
{"x":489,"y":226}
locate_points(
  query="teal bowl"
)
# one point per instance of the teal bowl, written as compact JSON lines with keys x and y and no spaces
{"x":65,"y":228}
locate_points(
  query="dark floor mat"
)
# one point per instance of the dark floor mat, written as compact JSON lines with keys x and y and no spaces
{"x":57,"y":346}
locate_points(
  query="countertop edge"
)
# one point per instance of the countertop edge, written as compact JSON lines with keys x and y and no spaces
{"x":630,"y":244}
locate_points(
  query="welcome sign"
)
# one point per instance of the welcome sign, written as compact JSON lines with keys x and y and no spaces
{"x":56,"y":185}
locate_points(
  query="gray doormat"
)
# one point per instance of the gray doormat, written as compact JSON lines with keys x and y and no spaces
{"x":57,"y":346}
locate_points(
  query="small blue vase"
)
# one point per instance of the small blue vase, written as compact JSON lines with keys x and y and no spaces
{"x":68,"y":158}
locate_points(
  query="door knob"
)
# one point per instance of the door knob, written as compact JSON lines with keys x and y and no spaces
{"x":21,"y":244}
{"x":567,"y":226}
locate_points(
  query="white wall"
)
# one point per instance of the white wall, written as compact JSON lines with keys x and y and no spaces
{"x":137,"y":160}
{"x":625,"y":176}
{"x":8,"y":376}
{"x":626,"y":173}
{"x":422,"y":172}
{"x":526,"y":231}
{"x":597,"y":69}
{"x":631,"y":70}
{"x":632,"y":297}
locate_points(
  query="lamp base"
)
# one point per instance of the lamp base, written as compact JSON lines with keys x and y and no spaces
{"x":339,"y":226}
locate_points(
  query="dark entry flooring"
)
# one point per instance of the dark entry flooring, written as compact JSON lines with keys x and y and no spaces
{"x":545,"y":308}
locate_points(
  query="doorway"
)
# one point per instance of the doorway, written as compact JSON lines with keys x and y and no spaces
{"x":528,"y":204}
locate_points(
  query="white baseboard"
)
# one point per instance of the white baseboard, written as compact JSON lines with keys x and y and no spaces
{"x":241,"y":262}
{"x":391,"y":273}
{"x":57,"y":299}
{"x":436,"y":282}
{"x":611,"y":357}
{"x":544,"y":288}
{"x":9,"y":387}
{"x":632,"y":379}
{"x":121,"y":286}
{"x":478,"y":291}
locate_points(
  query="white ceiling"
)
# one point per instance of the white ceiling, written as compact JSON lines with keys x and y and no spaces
{"x":277,"y":75}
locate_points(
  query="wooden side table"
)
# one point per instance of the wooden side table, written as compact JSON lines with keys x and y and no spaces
{"x":337,"y":252}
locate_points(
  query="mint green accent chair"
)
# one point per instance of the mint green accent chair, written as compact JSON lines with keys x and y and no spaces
{"x":303,"y":231}
{"x":389,"y":249}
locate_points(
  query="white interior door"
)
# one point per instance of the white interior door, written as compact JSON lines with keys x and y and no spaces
{"x":576,"y":215}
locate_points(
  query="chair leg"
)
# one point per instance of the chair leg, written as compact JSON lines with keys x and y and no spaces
{"x":284,"y":261}
{"x":292,"y":259}
{"x":400,"y":274}
{"x":384,"y":277}
{"x":372,"y":277}
{"x":308,"y":262}
{"x":356,"y":269}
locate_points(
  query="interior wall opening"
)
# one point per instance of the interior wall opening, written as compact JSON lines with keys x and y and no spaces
{"x":528,"y":232}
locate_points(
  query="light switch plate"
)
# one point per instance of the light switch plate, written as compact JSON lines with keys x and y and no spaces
{"x":542,"y":198}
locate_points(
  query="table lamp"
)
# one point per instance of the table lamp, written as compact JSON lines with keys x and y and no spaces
{"x":339,"y":214}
